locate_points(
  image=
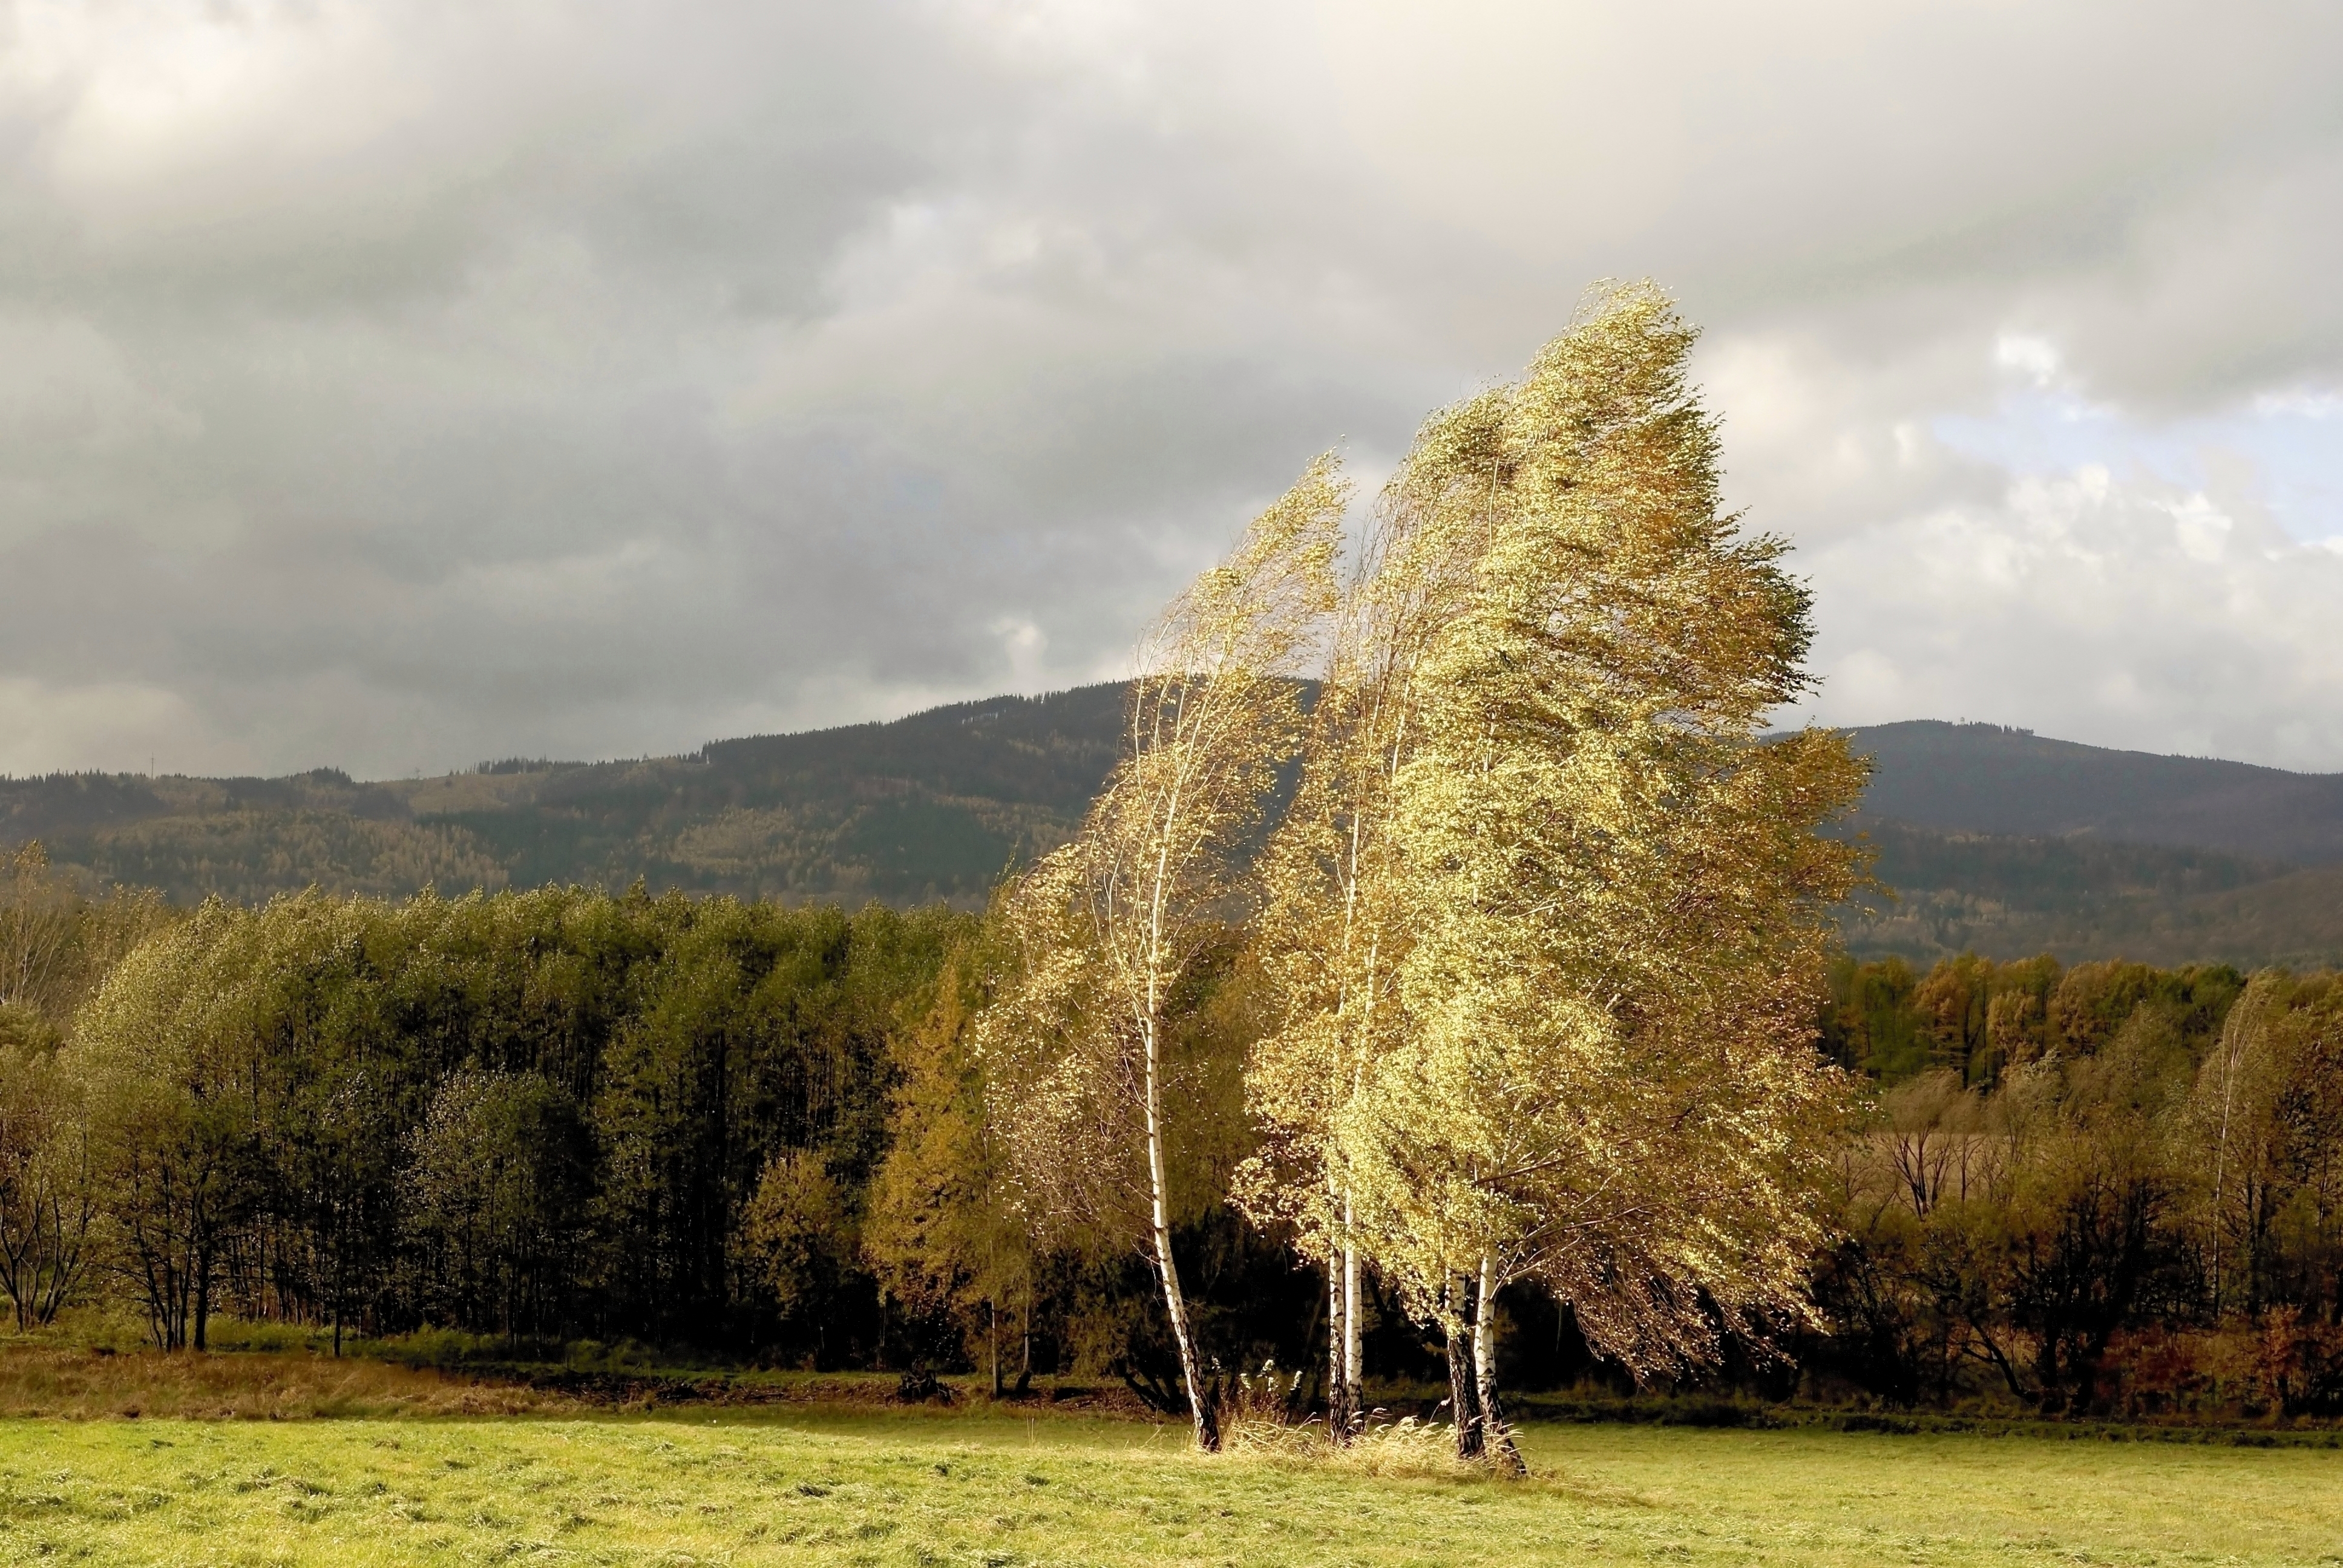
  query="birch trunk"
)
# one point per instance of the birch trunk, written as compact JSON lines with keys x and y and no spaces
{"x":1497,"y":1435}
{"x":1338,"y":1399}
{"x":1110,"y":924}
{"x":1353,"y":1357}
{"x":1463,"y":1386}
{"x":1201,"y":1404}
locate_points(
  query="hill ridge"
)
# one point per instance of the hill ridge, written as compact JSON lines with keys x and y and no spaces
{"x":1999,"y":839}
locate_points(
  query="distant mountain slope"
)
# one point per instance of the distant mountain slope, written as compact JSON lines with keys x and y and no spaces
{"x":1997,"y":841}
{"x":1984,"y":778}
{"x":2082,"y":898}
{"x":934,"y":806}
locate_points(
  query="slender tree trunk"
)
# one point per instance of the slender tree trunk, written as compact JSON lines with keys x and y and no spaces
{"x":1025,"y":1372}
{"x":1349,"y":1362}
{"x":1340,"y":1400}
{"x":1175,"y":1303}
{"x":1497,"y":1436}
{"x":203,"y":1301}
{"x":1339,"y":1397}
{"x":1463,"y":1387}
{"x":1353,"y":1349}
{"x":993,"y":1342}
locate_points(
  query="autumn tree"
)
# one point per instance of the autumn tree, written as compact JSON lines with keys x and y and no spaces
{"x":57,"y":944}
{"x":943,"y":1231}
{"x":1603,"y":1076}
{"x":2263,"y":1127}
{"x":35,"y":927}
{"x":1105,"y":932}
{"x":1336,"y":920}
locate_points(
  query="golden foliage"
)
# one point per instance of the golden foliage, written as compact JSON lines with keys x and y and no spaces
{"x":1549,"y":912}
{"x":1105,"y":931}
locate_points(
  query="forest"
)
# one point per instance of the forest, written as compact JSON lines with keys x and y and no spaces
{"x":762,"y":1132}
{"x":1440,"y":989}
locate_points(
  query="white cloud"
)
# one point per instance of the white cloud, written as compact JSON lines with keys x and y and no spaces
{"x":2037,"y":358}
{"x":2300,"y":403}
{"x":2119,"y":613}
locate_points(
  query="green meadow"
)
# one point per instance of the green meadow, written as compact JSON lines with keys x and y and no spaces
{"x":920,"y":1488}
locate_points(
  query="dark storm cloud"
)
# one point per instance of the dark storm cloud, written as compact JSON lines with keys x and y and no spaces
{"x":398,"y":385}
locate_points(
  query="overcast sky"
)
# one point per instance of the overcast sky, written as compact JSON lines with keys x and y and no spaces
{"x":395,"y":386}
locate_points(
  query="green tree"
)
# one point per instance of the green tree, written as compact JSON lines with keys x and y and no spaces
{"x":48,"y":1198}
{"x":160,"y":1060}
{"x":500,"y":1181}
{"x":798,"y":1236}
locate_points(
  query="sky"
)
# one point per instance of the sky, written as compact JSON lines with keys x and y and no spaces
{"x":394,"y":384}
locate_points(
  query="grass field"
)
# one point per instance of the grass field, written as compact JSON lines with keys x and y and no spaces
{"x":920,"y":1488}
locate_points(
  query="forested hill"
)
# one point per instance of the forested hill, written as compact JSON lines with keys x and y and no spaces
{"x":2009,"y":843}
{"x":934,"y":806}
{"x":1984,"y":778}
{"x":1995,"y":838}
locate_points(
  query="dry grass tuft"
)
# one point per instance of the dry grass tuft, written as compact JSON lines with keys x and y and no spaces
{"x":1405,"y":1447}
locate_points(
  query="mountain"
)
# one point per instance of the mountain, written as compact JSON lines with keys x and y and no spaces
{"x":934,"y":806}
{"x":2009,"y":896}
{"x":1994,"y":840}
{"x":1984,"y":779}
{"x":1999,"y":841}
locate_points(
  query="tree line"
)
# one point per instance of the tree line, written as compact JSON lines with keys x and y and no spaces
{"x":2110,"y":1186}
{"x":525,"y":1114}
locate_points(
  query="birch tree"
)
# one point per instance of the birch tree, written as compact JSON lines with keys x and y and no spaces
{"x":1336,"y":921}
{"x":1105,"y":930}
{"x":1601,"y":1074}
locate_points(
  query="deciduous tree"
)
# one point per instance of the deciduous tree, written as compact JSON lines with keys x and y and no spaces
{"x":49,"y":1197}
{"x":1605,"y":1076}
{"x":1103,"y":932}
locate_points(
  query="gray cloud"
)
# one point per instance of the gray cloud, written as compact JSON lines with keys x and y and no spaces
{"x":395,"y":386}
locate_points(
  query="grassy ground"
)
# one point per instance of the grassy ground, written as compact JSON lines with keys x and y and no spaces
{"x":919,"y":1488}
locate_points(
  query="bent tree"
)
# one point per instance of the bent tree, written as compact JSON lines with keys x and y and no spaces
{"x":1103,"y":932}
{"x":1334,"y":924}
{"x":1602,"y":1075}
